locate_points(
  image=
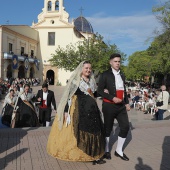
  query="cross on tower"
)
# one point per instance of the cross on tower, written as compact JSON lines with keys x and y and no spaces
{"x":81,"y":11}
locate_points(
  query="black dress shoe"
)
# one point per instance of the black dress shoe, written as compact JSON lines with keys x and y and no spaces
{"x":146,"y":112}
{"x":107,"y":155}
{"x":100,"y":161}
{"x":124,"y":157}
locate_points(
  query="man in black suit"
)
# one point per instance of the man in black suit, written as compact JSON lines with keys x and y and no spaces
{"x":47,"y":100}
{"x":112,"y":89}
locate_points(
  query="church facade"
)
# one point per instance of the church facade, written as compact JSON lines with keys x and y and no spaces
{"x":25,"y":50}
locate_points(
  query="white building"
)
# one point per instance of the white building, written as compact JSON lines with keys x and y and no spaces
{"x":25,"y":50}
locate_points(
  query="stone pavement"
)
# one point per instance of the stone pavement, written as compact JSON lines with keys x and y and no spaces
{"x":147,"y":146}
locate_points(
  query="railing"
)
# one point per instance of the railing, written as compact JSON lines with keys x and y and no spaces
{"x":20,"y":58}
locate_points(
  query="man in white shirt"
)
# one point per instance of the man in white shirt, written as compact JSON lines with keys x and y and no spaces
{"x":115,"y":104}
{"x":47,"y":103}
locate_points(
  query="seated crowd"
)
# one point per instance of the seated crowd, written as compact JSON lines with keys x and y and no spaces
{"x":143,"y":99}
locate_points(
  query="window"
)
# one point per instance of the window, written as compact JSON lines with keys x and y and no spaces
{"x":56,"y":5}
{"x":49,"y":6}
{"x":22,"y":51}
{"x":32,"y":53}
{"x":52,"y":21}
{"x":10,"y":48}
{"x":51,"y":38}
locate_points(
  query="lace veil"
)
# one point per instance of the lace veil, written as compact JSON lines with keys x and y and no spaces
{"x":69,"y":91}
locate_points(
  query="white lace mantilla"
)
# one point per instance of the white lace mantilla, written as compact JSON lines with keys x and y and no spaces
{"x":84,"y":86}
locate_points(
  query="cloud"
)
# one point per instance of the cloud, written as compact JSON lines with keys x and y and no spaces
{"x":127,"y":32}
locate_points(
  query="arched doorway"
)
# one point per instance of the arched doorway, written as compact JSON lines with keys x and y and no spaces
{"x":21,"y":72}
{"x":32,"y":72}
{"x":9,"y":71}
{"x":50,"y":76}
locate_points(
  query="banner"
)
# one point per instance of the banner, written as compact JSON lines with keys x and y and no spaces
{"x":14,"y":61}
{"x":26,"y":63}
{"x":36,"y":64}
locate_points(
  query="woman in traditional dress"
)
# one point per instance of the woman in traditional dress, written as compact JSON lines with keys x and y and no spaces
{"x":77,"y":131}
{"x":8,"y":108}
{"x":16,"y":92}
{"x":26,"y":115}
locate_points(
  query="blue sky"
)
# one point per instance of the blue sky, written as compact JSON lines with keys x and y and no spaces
{"x":126,"y":23}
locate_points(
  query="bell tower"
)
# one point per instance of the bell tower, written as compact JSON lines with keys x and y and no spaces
{"x":52,"y":12}
{"x":53,"y":6}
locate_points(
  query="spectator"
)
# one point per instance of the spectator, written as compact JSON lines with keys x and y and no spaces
{"x":163,"y":96}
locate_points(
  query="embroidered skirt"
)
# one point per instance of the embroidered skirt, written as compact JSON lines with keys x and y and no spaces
{"x":83,"y":139}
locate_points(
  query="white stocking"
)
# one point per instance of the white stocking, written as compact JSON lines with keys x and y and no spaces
{"x":120,"y":143}
{"x":47,"y":124}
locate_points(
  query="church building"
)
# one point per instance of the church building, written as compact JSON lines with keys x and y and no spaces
{"x":25,"y":50}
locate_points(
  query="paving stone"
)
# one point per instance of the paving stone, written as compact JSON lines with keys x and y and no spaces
{"x":147,"y":145}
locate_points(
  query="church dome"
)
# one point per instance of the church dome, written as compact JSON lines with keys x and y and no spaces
{"x":83,"y":25}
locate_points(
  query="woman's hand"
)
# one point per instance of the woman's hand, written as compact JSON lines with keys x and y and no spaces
{"x":65,"y":116}
{"x":106,"y":91}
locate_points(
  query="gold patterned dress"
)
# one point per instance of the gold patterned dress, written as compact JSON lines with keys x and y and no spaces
{"x":83,"y":139}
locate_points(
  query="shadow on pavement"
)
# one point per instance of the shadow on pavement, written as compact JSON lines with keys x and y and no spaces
{"x":167,"y":118}
{"x":11,"y":157}
{"x":52,"y":120}
{"x":9,"y":139}
{"x":141,"y":166}
{"x":165,"y":163}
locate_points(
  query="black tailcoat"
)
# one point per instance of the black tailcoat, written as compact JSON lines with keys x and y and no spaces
{"x":107,"y":81}
{"x":50,"y":98}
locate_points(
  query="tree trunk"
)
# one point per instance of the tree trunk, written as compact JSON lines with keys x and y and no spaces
{"x":165,"y":79}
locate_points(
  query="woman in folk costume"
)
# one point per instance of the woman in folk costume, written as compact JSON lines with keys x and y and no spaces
{"x":77,"y":131}
{"x":8,"y":108}
{"x":26,"y":115}
{"x":16,"y":92}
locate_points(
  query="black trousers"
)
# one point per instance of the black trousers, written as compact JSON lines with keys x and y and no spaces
{"x":115,"y":111}
{"x":44,"y":115}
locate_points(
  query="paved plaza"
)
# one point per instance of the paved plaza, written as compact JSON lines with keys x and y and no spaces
{"x":147,"y":145}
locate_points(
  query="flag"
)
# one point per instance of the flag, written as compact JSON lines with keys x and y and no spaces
{"x":36,"y":64}
{"x":14,"y":61}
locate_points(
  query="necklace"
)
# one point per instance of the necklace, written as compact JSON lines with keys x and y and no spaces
{"x":86,"y":79}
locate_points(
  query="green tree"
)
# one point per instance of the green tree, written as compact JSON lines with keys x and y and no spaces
{"x":160,"y":52}
{"x":139,"y":66}
{"x":162,"y":13}
{"x":156,"y":59}
{"x":93,"y":50}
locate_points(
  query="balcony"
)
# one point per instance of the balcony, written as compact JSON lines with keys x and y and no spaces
{"x":20,"y":58}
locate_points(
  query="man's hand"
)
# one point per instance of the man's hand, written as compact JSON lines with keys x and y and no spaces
{"x":39,"y":99}
{"x":127,"y":107}
{"x":116,"y":100}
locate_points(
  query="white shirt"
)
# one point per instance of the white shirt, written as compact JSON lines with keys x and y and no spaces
{"x":118,"y":80}
{"x":45,"y":95}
